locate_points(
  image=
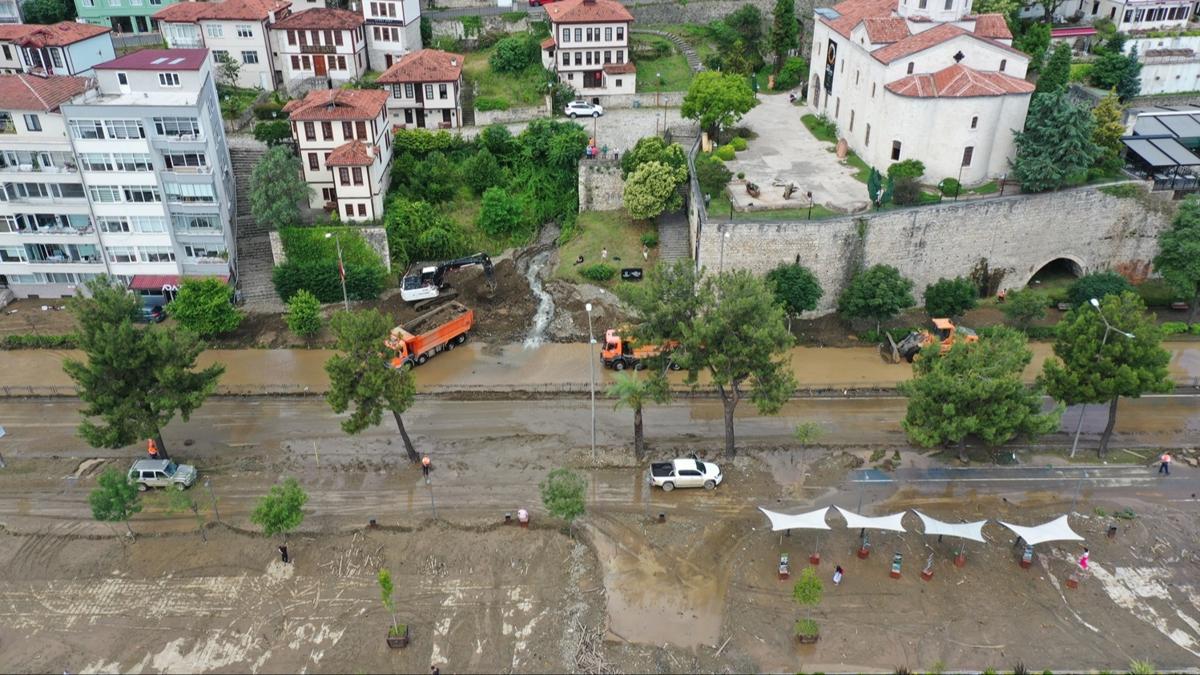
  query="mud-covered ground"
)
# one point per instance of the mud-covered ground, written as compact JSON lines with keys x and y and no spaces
{"x":698,"y":592}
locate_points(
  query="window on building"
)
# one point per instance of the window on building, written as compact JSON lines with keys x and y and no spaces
{"x":328,"y":194}
{"x":872,"y":90}
{"x":105,"y":194}
{"x":291,"y":34}
{"x":358,"y":175}
{"x":344,"y":175}
{"x":566,"y":35}
{"x":122,"y":254}
{"x":153,"y":254}
{"x":949,"y":5}
{"x":347,"y":130}
{"x":579,"y":58}
{"x":177,"y":126}
{"x":975,"y":122}
{"x":141,"y":194}
{"x":168,"y":79}
{"x":361,"y":128}
{"x":220,"y":55}
{"x":245,"y":30}
{"x":350,"y":210}
{"x":620,"y":32}
{"x":214,"y":30}
{"x":837,"y":108}
{"x":968,"y":154}
{"x":206,"y":253}
{"x":295,"y":62}
{"x":32,"y":122}
{"x":618,"y":83}
{"x":428,"y":92}
{"x":250,"y":56}
{"x":911,"y":65}
{"x":867,"y":139}
{"x":921,"y":4}
{"x":362,"y":210}
{"x":114,"y":224}
{"x":56,"y":58}
{"x":579,"y":35}
{"x":130,"y":161}
{"x":851,"y":120}
{"x":313,"y":161}
{"x":95,"y":161}
{"x":327,"y":131}
{"x":124,"y":129}
{"x":620,"y":56}
{"x":123,"y":79}
{"x":196,"y":223}
{"x":442,"y":91}
{"x":607,"y":56}
{"x":856,"y":73}
{"x":149,"y":224}
{"x":408,"y":90}
{"x":310,"y":131}
{"x":1003,"y":63}
{"x":895,"y":151}
{"x":185,"y":160}
{"x":337,"y":38}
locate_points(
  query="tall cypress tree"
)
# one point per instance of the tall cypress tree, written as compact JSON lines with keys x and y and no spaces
{"x":785,"y":32}
{"x":1056,"y":147}
{"x":1057,"y":73}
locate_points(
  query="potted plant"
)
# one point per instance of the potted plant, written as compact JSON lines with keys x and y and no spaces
{"x":807,"y":592}
{"x":397,"y":637}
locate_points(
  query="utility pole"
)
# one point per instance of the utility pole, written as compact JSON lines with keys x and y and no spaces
{"x":592,"y":374}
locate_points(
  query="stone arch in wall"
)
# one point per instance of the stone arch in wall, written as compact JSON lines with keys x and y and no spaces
{"x":1059,"y":266}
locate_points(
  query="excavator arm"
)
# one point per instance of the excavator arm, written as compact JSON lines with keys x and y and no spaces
{"x":489,"y":270}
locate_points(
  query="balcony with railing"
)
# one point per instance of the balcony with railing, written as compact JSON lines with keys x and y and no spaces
{"x":62,"y":254}
{"x":40,"y":162}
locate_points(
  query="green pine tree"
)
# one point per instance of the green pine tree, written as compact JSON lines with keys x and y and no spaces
{"x":785,"y":31}
{"x":1056,"y":148}
{"x":1057,"y":74}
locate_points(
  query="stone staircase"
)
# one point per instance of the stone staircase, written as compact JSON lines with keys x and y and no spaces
{"x":253,"y":245}
{"x":693,"y":59}
{"x":673,"y":237}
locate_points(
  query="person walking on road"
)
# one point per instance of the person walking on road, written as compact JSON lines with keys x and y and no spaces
{"x":283,"y":553}
{"x":1165,"y":466}
{"x":838,"y":573}
{"x":1083,"y":559}
{"x":425,"y":467}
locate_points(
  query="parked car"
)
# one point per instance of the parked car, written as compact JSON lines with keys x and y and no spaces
{"x":161,"y":473}
{"x":685,"y":473}
{"x":155,"y":314}
{"x":539,"y":3}
{"x":583,"y":108}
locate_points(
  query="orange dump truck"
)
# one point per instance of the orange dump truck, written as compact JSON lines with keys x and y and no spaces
{"x":419,"y":340}
{"x":620,"y":353}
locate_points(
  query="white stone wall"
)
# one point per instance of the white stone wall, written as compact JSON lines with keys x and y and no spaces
{"x":1013,"y":236}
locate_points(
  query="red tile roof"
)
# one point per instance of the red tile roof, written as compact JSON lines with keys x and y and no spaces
{"x":992,"y":26}
{"x":337,"y":104}
{"x":919,"y":42}
{"x":321,"y":19}
{"x":60,"y":34}
{"x":548,"y":43}
{"x":12,"y":31}
{"x":29,"y":92}
{"x":158,"y":59}
{"x":851,"y":12}
{"x":353,"y":153}
{"x":230,"y":10}
{"x":427,"y":65}
{"x":959,"y":81}
{"x":619,"y":68}
{"x":587,"y":11}
{"x":882,"y":30}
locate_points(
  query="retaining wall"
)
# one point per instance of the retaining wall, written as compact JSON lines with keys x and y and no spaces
{"x":601,"y":187}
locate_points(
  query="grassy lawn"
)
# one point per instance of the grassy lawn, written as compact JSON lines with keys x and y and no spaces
{"x":522,"y":89}
{"x":235,"y":100}
{"x":613,"y":230}
{"x":988,"y":188}
{"x":863,"y":172}
{"x":674,"y":68}
{"x":822,"y":131}
{"x":693,"y":34}
{"x":464,"y":210}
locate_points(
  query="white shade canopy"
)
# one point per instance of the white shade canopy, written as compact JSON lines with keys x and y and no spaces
{"x":813,"y":520}
{"x":972,"y":531}
{"x":1055,"y":530}
{"x":855,"y":521}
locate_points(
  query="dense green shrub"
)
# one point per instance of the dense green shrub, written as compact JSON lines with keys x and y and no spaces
{"x":421,"y":142}
{"x":363,"y":281}
{"x":950,"y":297}
{"x":482,"y":171}
{"x":28,"y":341}
{"x":712,"y":175}
{"x":792,"y":75}
{"x":1157,"y":293}
{"x":1041,"y":333}
{"x":650,"y":239}
{"x":598,"y":272}
{"x":739,"y":144}
{"x":205,"y":307}
{"x":725,"y":153}
{"x":269,"y":110}
{"x":909,"y":168}
{"x":1174,"y":327}
{"x":485,"y":103}
{"x":273,"y":133}
{"x":1097,"y":285}
{"x":303,"y":315}
{"x":501,"y":213}
{"x":950,"y":186}
{"x":514,"y":54}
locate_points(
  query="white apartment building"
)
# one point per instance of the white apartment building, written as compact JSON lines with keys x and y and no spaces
{"x":48,"y":239}
{"x":425,"y":89}
{"x":589,"y":47}
{"x":920,"y":79}
{"x":1128,"y":15}
{"x":345,"y":146}
{"x":321,"y":43}
{"x":64,"y":48}
{"x":238,"y":29}
{"x":393,"y":30}
{"x":150,"y":147}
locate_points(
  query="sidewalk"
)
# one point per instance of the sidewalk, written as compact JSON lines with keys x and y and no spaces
{"x":480,"y":367}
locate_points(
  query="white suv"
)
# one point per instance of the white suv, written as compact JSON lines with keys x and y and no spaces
{"x":577,"y":108}
{"x":161,"y":473}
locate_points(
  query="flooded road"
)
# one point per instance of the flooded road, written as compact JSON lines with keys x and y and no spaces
{"x":549,"y":365}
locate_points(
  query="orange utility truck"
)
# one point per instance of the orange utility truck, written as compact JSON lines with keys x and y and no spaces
{"x":945,"y":332}
{"x":619,"y":353}
{"x":419,"y":340}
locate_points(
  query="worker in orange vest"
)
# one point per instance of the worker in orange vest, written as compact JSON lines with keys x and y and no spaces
{"x":425,"y":466}
{"x":1165,"y":467}
{"x":152,"y":448}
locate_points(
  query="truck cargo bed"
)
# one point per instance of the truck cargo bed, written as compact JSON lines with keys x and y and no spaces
{"x":436,"y":317}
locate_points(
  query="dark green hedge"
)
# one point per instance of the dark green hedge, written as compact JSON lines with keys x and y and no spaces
{"x":21,"y":341}
{"x":364,"y":281}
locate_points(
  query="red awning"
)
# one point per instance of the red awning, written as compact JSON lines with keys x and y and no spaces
{"x":164,"y":282}
{"x":1072,"y":32}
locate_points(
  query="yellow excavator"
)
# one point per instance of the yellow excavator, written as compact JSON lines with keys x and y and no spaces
{"x":944,"y":332}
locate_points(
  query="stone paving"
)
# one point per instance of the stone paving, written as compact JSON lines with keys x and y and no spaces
{"x":785,"y":152}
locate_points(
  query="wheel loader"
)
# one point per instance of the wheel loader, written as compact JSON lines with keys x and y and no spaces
{"x":944,"y":333}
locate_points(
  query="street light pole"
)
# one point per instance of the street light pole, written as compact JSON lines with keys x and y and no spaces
{"x":1103,"y":341}
{"x":592,"y":374}
{"x":810,"y":204}
{"x":341,"y":269}
{"x":657,"y":89}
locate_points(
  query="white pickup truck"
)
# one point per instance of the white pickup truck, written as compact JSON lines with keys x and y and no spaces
{"x":685,"y":473}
